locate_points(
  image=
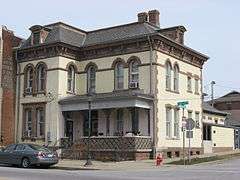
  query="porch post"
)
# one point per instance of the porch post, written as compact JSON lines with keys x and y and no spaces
{"x":107,"y":113}
{"x":89,"y":162}
{"x":135,"y":120}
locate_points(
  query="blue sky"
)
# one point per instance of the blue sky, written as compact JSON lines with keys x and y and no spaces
{"x":213,"y":26}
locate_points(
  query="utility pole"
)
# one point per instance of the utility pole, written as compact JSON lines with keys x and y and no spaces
{"x":212,"y":92}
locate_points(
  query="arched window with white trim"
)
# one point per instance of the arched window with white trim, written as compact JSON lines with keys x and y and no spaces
{"x":41,"y":77}
{"x":71,"y":79}
{"x":91,"y":79}
{"x":133,"y":74}
{"x":119,"y":76}
{"x":176,"y":79}
{"x":168,"y":75}
{"x":29,"y":80}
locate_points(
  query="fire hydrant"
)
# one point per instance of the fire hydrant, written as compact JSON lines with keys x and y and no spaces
{"x":159,"y":159}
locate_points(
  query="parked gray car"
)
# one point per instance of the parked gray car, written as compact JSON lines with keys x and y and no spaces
{"x":26,"y":155}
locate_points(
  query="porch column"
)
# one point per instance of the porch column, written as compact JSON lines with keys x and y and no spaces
{"x":135,"y":120}
{"x":107,"y":113}
{"x":149,"y":122}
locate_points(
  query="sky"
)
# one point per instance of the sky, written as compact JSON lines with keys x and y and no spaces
{"x":212,"y":26}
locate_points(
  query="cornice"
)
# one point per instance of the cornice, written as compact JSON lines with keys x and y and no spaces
{"x":161,"y":44}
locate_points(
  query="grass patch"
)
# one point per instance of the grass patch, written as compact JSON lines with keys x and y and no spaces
{"x":198,"y":160}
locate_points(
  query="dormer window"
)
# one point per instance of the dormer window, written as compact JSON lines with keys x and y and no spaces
{"x":36,"y":38}
{"x":39,"y":34}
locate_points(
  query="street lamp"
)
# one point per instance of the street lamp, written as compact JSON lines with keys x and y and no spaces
{"x":89,"y":162}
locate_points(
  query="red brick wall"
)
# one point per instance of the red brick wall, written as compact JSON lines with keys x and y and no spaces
{"x":8,"y":87}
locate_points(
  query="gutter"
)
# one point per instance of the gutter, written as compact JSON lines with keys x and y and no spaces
{"x":18,"y":95}
{"x":154,"y":100}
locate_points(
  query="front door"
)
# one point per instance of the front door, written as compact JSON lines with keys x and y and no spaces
{"x":69,"y":129}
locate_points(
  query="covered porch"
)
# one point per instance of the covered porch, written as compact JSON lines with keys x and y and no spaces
{"x":120,"y":124}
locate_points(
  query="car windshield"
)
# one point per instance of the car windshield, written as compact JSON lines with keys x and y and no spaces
{"x":39,"y":148}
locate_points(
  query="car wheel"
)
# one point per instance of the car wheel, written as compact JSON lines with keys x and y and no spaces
{"x":25,"y":163}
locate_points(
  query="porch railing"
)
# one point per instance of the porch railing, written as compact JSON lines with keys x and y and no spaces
{"x":107,"y":147}
{"x":111,"y":143}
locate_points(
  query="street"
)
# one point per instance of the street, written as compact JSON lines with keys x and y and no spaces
{"x":218,"y":170}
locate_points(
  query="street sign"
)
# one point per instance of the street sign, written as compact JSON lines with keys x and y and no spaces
{"x":190,"y":124}
{"x":182,"y":104}
{"x":189,"y":134}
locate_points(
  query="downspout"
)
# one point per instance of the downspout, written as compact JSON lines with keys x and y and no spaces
{"x":154,"y":99}
{"x":18,"y":94}
{"x":1,"y":59}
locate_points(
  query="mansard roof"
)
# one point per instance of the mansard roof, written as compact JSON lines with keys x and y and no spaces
{"x":61,"y":32}
{"x":83,"y":41}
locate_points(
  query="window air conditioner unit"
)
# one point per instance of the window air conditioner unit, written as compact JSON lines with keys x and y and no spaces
{"x":133,"y":85}
{"x":29,"y":90}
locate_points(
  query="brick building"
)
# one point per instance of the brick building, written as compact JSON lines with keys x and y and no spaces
{"x":7,"y":85}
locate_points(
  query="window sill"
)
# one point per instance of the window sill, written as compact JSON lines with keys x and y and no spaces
{"x":172,"y":91}
{"x":172,"y":138}
{"x":27,"y":94}
{"x":69,"y":92}
{"x":41,"y":92}
{"x":33,"y":139}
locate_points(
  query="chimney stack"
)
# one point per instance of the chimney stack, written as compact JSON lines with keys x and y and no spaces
{"x":154,"y":17}
{"x":142,"y":17}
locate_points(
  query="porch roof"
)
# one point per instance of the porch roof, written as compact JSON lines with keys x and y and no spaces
{"x":116,"y":99}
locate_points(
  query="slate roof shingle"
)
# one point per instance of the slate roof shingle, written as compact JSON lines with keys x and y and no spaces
{"x":208,"y":108}
{"x":61,"y":32}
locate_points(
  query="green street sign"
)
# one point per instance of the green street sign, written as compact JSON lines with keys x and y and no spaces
{"x":182,"y":104}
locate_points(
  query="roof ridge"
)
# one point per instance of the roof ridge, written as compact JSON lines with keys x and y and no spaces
{"x":112,"y":27}
{"x":65,"y":24}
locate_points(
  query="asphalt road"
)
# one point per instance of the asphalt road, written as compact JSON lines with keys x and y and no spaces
{"x":227,"y":170}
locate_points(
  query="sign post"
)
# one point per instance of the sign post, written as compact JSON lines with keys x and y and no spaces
{"x":183,"y":105}
{"x":190,"y":124}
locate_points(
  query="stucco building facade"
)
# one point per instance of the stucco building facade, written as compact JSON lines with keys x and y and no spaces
{"x":131,"y":75}
{"x":218,"y":136}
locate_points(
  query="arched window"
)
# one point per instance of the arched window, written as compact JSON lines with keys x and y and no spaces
{"x":134,"y":74}
{"x":29,"y":80}
{"x":119,"y":76}
{"x":168,"y":75}
{"x":41,"y":77}
{"x":91,"y":79}
{"x":71,"y":78}
{"x":176,"y":78}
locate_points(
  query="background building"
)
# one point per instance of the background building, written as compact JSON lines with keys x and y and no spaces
{"x":217,"y":135}
{"x":231,"y":103}
{"x":7,"y":85}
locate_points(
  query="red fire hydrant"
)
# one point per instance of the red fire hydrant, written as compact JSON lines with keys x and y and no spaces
{"x":159,"y":159}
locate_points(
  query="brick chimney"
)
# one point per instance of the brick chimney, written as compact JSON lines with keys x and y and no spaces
{"x":142,"y":17}
{"x":154,"y":17}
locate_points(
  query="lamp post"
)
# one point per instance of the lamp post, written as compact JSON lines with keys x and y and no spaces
{"x":50,"y":97}
{"x":89,"y":162}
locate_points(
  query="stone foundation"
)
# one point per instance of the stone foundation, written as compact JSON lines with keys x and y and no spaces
{"x":106,"y":156}
{"x":221,"y":149}
{"x":174,"y":152}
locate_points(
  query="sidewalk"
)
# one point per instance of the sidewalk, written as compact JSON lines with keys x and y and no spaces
{"x":125,"y":165}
